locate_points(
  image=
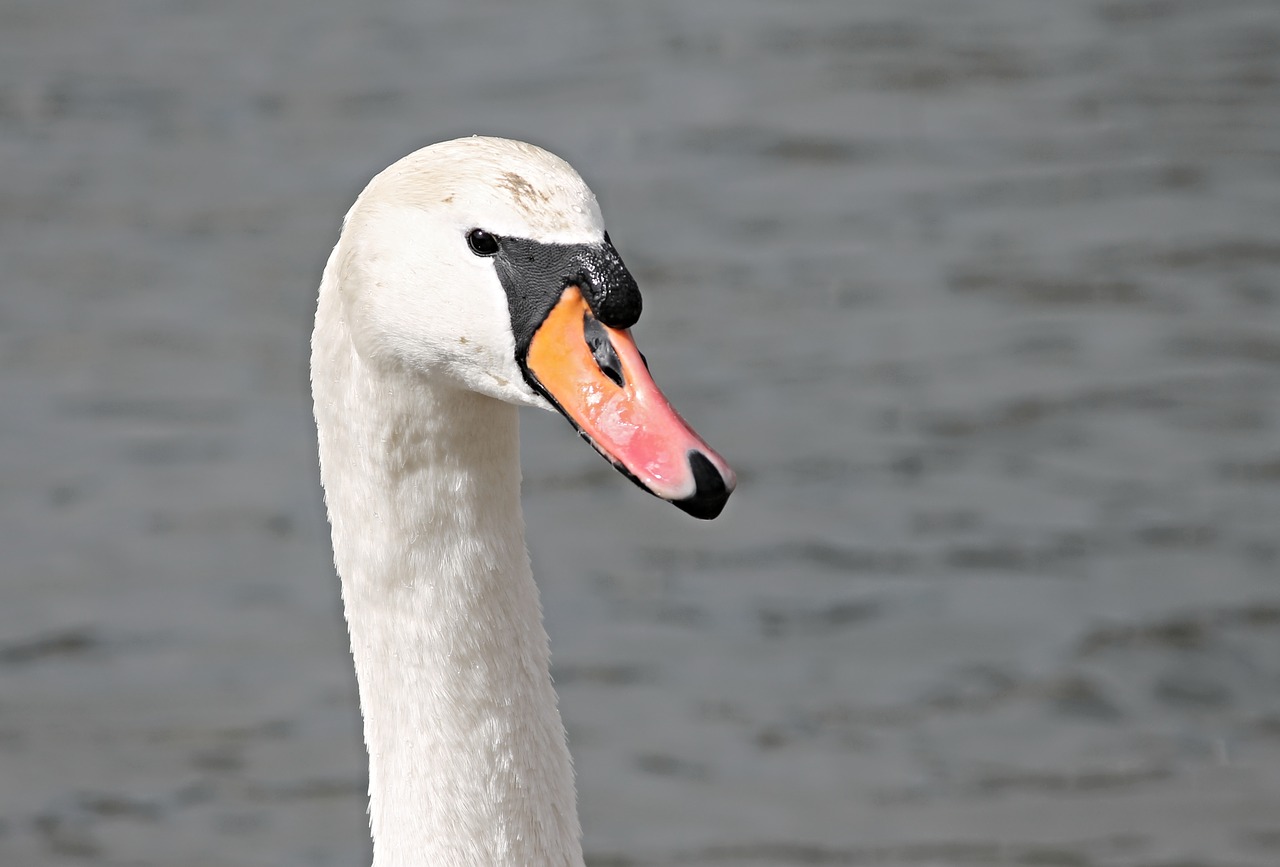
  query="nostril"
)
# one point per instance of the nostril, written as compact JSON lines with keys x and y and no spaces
{"x":602,"y":349}
{"x":611,"y":370}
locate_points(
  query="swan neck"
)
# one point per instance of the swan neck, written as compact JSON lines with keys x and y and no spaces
{"x":467,"y":757}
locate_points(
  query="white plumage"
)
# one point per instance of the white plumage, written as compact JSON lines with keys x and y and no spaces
{"x":416,"y":384}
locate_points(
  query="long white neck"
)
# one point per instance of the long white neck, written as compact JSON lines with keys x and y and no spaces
{"x":467,"y":757}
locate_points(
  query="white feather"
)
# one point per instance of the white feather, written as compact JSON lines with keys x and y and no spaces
{"x":416,"y":386}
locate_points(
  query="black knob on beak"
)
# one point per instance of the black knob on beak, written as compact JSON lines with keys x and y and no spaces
{"x":610,"y":290}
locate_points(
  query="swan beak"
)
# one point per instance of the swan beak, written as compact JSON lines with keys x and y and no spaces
{"x":598,"y":379}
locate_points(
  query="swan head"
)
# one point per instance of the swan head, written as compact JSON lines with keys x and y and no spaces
{"x":484,"y":263}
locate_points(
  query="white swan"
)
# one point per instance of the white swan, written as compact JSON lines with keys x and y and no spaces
{"x":470,"y":278}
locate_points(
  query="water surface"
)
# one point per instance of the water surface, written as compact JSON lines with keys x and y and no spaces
{"x":980,"y":299}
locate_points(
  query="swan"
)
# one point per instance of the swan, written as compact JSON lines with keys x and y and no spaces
{"x":470,"y":278}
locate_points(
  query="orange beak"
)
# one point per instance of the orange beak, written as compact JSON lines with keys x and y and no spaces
{"x":598,"y":379}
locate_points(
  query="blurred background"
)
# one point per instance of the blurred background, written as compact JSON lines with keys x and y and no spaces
{"x":981,"y":299}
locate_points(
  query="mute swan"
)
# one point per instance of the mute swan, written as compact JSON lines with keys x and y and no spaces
{"x":472,"y":277}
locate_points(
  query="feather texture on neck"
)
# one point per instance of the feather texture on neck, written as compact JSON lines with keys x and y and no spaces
{"x":468,"y":761}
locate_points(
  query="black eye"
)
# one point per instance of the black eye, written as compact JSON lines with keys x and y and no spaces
{"x":482,"y":243}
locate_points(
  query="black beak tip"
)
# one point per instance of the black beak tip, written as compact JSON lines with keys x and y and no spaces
{"x":710,"y":492}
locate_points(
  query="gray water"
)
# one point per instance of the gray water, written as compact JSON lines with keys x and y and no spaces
{"x":981,"y":299}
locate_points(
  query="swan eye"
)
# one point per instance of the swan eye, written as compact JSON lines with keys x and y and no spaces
{"x":482,"y":243}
